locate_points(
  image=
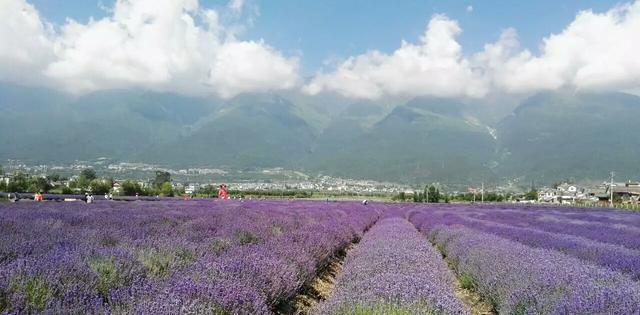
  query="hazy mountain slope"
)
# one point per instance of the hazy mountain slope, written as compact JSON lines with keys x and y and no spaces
{"x":249,"y":131}
{"x":552,"y":136}
{"x":42,"y":125}
{"x":549,"y":137}
{"x":426,"y":139}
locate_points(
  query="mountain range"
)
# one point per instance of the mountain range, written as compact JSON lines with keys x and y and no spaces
{"x":546,"y":137}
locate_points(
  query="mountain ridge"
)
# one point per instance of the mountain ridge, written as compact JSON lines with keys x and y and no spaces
{"x":548,"y":136}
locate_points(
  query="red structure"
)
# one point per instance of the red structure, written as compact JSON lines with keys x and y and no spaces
{"x":223,"y":192}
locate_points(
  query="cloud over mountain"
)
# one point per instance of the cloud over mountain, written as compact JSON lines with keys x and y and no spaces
{"x":594,"y":52}
{"x":161,"y":45}
{"x":434,"y":66}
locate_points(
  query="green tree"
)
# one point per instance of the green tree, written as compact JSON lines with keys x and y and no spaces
{"x":208,"y":190}
{"x":52,"y":178}
{"x":166,"y":189}
{"x":531,"y":194}
{"x":18,"y":183}
{"x":130,"y":188}
{"x":433,"y":194}
{"x":162,"y":177}
{"x":38,"y":184}
{"x":402,"y":196}
{"x":100,"y":186}
{"x":89,"y":174}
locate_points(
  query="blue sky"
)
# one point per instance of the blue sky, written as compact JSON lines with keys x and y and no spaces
{"x":329,"y":29}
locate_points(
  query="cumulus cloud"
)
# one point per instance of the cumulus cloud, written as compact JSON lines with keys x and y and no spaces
{"x":434,"y":66}
{"x":25,"y":45}
{"x":597,"y":51}
{"x":164,"y":45}
{"x":236,"y":5}
{"x":594,"y":52}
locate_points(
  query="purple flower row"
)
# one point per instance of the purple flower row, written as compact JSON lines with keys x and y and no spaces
{"x":393,"y":268}
{"x":167,"y":257}
{"x":520,"y":279}
{"x":614,"y":257}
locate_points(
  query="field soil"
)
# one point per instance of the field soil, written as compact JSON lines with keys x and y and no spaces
{"x":472,"y":300}
{"x":319,"y":289}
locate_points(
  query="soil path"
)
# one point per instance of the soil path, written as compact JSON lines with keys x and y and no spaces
{"x":319,"y":289}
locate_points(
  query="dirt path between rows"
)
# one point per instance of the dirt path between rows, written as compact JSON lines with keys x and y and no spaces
{"x":472,"y":300}
{"x":319,"y":289}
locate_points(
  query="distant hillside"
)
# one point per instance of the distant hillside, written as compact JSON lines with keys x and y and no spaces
{"x":118,"y":124}
{"x":552,"y":136}
{"x":548,"y":137}
{"x":248,"y":131}
{"x":426,"y":139}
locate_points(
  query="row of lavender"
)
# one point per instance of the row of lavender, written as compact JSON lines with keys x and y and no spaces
{"x":519,"y":278}
{"x":520,"y":225}
{"x":167,"y":257}
{"x":393,"y":270}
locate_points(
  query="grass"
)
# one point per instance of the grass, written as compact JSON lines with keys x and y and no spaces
{"x":219,"y":245}
{"x":384,"y":309}
{"x":160,"y":263}
{"x":4,"y":301}
{"x":36,"y":292}
{"x":467,"y":282}
{"x":108,"y":273}
{"x":246,"y":237}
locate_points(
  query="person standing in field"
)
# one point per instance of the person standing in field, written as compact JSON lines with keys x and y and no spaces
{"x":223,"y":192}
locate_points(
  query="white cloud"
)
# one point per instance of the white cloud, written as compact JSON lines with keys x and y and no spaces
{"x":163,"y":45}
{"x":594,"y":52}
{"x":435,"y":66}
{"x":469,"y":9}
{"x":25,"y":46}
{"x":236,"y":5}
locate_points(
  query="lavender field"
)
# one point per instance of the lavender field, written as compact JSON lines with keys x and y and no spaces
{"x":255,"y":257}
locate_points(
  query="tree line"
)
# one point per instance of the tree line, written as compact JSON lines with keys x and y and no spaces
{"x":87,"y":182}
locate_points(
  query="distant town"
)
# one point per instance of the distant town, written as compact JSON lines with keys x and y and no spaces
{"x":111,"y":177}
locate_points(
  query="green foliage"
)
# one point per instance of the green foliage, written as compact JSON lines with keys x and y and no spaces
{"x":271,"y":193}
{"x":100,"y":186}
{"x":130,"y":188}
{"x":18,"y":183}
{"x":66,"y":190}
{"x":531,"y":194}
{"x":208,"y":191}
{"x":36,"y":292}
{"x":388,"y":308}
{"x":4,"y":301}
{"x":162,"y":178}
{"x":467,"y":282}
{"x":166,"y":189}
{"x":110,"y":273}
{"x":38,"y":184}
{"x":433,"y":193}
{"x":89,"y":174}
{"x":219,"y":245}
{"x":246,"y":237}
{"x":54,"y":177}
{"x":401,"y":196}
{"x":159,"y":263}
